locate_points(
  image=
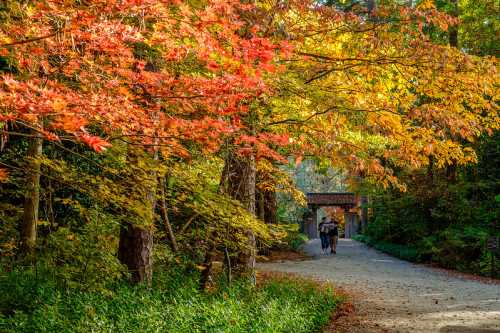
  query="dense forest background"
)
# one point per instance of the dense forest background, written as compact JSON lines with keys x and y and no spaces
{"x":448,"y":215}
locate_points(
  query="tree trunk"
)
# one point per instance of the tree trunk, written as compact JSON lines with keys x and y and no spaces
{"x":135,"y":248}
{"x":261,"y":204}
{"x":270,"y":207}
{"x":135,"y":251}
{"x":32,"y":196}
{"x":164,"y":213}
{"x":453,"y":30}
{"x":370,"y":6}
{"x":206,"y":274}
{"x":364,"y":213}
{"x":239,"y":178}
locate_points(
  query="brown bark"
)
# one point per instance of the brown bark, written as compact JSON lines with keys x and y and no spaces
{"x":239,"y":176}
{"x":239,"y":180}
{"x":135,"y":248}
{"x":261,"y":205}
{"x":206,"y":274}
{"x":135,"y":251}
{"x":32,"y":196}
{"x":370,"y":6}
{"x":270,"y":207}
{"x":364,"y":213}
{"x":453,"y":30}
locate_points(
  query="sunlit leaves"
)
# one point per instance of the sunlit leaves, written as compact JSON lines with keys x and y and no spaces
{"x":371,"y":95}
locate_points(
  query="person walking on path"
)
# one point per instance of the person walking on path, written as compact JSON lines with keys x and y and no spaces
{"x":333,"y":234}
{"x":323,"y":235}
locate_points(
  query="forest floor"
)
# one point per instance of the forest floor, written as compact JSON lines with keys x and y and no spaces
{"x":392,"y":295}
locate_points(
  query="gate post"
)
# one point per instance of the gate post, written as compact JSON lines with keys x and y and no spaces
{"x":347,"y":226}
{"x":351,"y":224}
{"x":313,"y":226}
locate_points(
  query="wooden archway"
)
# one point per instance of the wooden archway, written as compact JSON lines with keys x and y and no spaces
{"x":345,"y":200}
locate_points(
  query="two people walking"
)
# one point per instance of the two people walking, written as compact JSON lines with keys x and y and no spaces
{"x":329,"y":234}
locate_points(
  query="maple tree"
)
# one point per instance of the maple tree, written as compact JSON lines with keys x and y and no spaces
{"x":157,"y":73}
{"x":139,"y":69}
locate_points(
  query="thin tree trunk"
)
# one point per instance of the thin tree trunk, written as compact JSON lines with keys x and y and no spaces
{"x":364,"y":213}
{"x":453,"y":30}
{"x":451,"y":170}
{"x":164,"y":213}
{"x":370,"y":6}
{"x":32,"y":196}
{"x":261,"y":203}
{"x":206,"y":274}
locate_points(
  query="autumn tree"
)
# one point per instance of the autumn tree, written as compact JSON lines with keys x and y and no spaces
{"x":161,"y":75}
{"x":374,"y":95}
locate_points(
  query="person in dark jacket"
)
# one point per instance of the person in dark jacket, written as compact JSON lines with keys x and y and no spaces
{"x":333,"y":234}
{"x":323,"y":235}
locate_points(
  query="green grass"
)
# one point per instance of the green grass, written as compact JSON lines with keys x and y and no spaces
{"x":32,"y":303}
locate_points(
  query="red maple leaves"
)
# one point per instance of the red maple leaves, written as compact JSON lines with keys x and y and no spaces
{"x":89,"y":71}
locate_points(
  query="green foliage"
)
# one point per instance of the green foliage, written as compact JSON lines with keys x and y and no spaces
{"x":217,"y":220}
{"x":409,"y":253}
{"x":297,"y":240}
{"x":289,"y":237}
{"x":85,"y":258}
{"x":463,"y":249}
{"x":446,"y":216}
{"x":294,"y":237}
{"x":32,"y":303}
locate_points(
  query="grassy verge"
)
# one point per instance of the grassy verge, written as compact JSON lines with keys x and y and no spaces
{"x":408,"y":253}
{"x":37,"y":303}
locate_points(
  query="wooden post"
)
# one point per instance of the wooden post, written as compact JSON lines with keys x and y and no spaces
{"x":347,"y":225}
{"x":313,"y":226}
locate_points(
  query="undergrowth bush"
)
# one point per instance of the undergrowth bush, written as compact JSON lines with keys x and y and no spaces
{"x":463,"y":249}
{"x":35,"y":302}
{"x":290,"y":237}
{"x":409,"y":253}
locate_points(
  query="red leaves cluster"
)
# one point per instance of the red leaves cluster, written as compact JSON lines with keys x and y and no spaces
{"x":264,"y":145}
{"x":87,"y":72}
{"x":94,"y":142}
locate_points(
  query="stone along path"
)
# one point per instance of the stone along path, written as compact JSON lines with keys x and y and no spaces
{"x":392,"y":295}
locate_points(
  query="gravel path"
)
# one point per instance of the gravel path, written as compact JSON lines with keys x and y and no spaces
{"x":392,"y":295}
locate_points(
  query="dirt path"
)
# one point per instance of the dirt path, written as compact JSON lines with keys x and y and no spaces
{"x":392,"y":295}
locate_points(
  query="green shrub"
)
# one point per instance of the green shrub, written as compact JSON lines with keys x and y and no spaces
{"x":84,"y":257}
{"x":409,"y":253}
{"x":37,"y":303}
{"x":290,"y":237}
{"x":463,"y":249}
